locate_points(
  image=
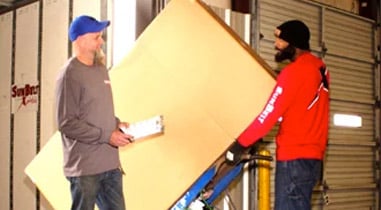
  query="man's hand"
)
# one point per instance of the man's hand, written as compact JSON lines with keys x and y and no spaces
{"x":120,"y":139}
{"x":234,"y":153}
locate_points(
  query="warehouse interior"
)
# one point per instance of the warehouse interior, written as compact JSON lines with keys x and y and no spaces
{"x":345,"y":33}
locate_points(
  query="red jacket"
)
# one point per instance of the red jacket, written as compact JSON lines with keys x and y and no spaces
{"x":300,"y":101}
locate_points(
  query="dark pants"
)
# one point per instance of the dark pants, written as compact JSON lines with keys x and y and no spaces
{"x":294,"y":182}
{"x":105,"y":189}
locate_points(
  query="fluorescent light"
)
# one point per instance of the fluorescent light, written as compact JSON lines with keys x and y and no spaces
{"x":347,"y":120}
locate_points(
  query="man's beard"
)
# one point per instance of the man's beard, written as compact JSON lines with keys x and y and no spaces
{"x":100,"y":57}
{"x":286,"y":53}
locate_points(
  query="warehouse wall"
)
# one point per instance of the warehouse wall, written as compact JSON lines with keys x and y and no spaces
{"x":5,"y":108}
{"x":34,"y":46}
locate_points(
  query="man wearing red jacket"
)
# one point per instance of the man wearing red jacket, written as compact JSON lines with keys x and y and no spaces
{"x":300,"y":102}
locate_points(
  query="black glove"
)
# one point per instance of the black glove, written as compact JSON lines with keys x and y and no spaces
{"x":234,"y":153}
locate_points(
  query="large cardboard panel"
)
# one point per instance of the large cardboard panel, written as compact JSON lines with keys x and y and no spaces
{"x":207,"y":84}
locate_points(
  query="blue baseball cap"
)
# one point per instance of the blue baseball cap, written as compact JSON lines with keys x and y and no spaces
{"x":85,"y":24}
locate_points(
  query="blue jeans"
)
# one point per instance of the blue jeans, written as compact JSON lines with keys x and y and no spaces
{"x":294,"y":182}
{"x":104,"y":189}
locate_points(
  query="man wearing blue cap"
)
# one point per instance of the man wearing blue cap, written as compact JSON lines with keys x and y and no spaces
{"x":89,"y":128}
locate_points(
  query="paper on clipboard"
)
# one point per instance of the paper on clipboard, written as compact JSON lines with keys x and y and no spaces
{"x":145,"y":128}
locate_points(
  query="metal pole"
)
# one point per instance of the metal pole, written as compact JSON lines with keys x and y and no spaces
{"x":264,"y":181}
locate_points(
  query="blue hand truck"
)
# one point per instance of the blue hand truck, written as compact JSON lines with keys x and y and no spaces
{"x":212,"y":183}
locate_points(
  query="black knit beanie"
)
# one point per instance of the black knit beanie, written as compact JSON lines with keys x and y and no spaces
{"x":296,"y":33}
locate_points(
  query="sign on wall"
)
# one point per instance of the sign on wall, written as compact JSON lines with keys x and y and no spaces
{"x":25,"y":97}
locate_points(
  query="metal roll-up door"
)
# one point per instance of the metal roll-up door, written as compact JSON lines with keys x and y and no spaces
{"x":349,"y":174}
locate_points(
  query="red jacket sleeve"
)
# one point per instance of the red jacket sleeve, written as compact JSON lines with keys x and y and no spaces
{"x":279,"y":100}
